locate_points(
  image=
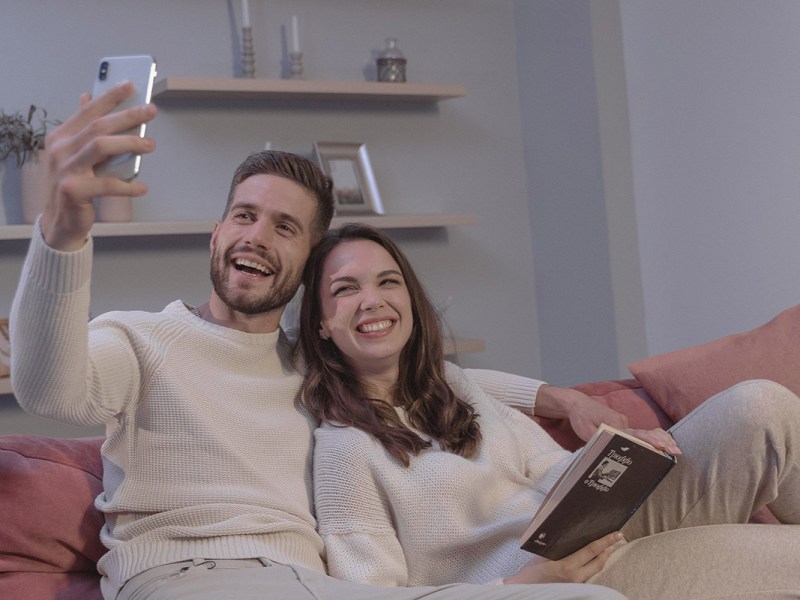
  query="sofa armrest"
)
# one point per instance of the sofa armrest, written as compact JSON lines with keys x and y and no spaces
{"x":50,"y":526}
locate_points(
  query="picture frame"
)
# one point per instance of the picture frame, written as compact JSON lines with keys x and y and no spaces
{"x":354,"y":188}
{"x":5,"y":349}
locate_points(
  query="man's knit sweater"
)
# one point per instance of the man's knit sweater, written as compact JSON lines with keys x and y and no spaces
{"x":208,"y":451}
{"x":443,"y":519}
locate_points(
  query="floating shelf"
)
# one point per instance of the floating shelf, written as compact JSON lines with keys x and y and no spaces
{"x":464,"y":346}
{"x":148,"y":228}
{"x":204,"y":88}
{"x":461,"y":346}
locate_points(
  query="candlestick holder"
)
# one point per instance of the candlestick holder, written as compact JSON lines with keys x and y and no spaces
{"x":297,"y":65}
{"x":248,"y":56}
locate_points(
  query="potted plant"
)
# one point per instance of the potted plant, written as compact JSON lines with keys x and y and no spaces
{"x":19,"y":136}
{"x":22,"y":138}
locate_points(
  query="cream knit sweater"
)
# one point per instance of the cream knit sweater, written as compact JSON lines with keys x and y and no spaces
{"x":208,"y":451}
{"x":444,"y":519}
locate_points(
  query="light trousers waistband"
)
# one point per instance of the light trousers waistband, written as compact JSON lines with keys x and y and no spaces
{"x":226,"y":563}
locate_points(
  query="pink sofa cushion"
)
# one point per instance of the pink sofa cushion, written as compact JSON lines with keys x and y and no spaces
{"x":47,"y":492}
{"x":45,"y":586}
{"x":679,"y":381}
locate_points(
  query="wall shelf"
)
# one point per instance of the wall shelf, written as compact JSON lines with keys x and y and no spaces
{"x":204,"y":88}
{"x":150,"y":228}
{"x":463,"y":346}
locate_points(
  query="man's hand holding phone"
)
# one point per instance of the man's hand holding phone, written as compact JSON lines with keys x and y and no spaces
{"x":89,"y":138}
{"x":141,"y":71}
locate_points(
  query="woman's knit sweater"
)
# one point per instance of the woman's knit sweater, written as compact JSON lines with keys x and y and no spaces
{"x":443,"y":519}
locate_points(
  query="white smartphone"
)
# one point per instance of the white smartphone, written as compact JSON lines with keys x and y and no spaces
{"x":141,"y":70}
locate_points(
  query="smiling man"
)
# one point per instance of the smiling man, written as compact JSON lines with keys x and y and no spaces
{"x":258,"y":250}
{"x":207,"y":489}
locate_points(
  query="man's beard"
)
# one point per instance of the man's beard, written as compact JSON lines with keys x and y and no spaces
{"x":284,"y":287}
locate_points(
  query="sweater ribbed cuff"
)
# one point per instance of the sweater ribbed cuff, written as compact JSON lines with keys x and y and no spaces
{"x":56,"y":271}
{"x":512,"y":390}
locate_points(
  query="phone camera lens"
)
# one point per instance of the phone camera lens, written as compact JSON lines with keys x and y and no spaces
{"x":103,"y":70}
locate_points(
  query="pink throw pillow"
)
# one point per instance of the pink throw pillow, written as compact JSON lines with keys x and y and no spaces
{"x":679,"y":381}
{"x":83,"y":585}
{"x":47,"y":492}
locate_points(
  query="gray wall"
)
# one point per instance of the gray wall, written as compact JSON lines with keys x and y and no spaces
{"x":462,"y":155}
{"x":644,"y":153}
{"x":561,"y":132}
{"x":713,"y":94}
{"x":663,"y":159}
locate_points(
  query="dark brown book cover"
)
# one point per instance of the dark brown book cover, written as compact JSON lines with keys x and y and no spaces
{"x":603,"y":487}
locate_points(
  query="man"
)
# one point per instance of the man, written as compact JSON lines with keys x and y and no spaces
{"x":207,"y":462}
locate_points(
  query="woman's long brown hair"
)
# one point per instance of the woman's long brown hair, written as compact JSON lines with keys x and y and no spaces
{"x":333,"y":393}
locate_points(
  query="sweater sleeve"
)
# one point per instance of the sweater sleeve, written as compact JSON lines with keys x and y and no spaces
{"x":512,"y":390}
{"x":54,"y":373}
{"x":353,"y":518}
{"x":544,"y":459}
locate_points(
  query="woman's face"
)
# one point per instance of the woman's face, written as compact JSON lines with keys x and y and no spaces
{"x":366,"y":307}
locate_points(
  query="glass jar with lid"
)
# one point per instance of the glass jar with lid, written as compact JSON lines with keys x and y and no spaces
{"x":391,"y":63}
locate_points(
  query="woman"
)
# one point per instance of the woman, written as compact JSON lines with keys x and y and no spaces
{"x":421,"y":478}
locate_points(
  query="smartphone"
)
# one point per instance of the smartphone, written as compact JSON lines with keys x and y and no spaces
{"x":141,"y":71}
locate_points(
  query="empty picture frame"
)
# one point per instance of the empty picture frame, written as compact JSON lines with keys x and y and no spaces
{"x":354,"y":187}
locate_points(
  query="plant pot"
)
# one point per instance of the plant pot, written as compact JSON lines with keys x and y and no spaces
{"x":5,"y":349}
{"x":114,"y":209}
{"x":34,"y":185}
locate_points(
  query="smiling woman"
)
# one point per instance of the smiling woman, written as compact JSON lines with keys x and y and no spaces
{"x":372,"y":341}
{"x":366,"y":312}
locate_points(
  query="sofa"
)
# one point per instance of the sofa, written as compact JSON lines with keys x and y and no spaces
{"x":49,"y":542}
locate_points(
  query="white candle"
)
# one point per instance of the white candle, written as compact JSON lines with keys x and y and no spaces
{"x":295,"y":35}
{"x":245,"y":13}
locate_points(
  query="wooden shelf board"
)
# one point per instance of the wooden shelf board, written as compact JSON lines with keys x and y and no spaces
{"x":205,"y":88}
{"x":406,"y":221}
{"x":464,"y":346}
{"x":148,"y":228}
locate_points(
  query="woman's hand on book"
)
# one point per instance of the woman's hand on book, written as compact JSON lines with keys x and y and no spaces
{"x":584,"y":413}
{"x":658,"y":438}
{"x":578,"y":567}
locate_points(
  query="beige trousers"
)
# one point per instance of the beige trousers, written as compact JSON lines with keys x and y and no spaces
{"x":262,"y":580}
{"x":741,"y":451}
{"x":723,"y":562}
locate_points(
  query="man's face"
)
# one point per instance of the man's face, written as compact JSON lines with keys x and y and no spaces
{"x":259,"y":250}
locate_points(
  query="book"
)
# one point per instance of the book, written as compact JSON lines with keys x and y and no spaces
{"x":609,"y":479}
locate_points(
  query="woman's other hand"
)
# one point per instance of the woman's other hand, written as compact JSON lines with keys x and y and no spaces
{"x":578,"y":567}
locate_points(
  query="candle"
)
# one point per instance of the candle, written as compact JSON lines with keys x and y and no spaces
{"x":245,"y":13}
{"x":295,"y":35}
